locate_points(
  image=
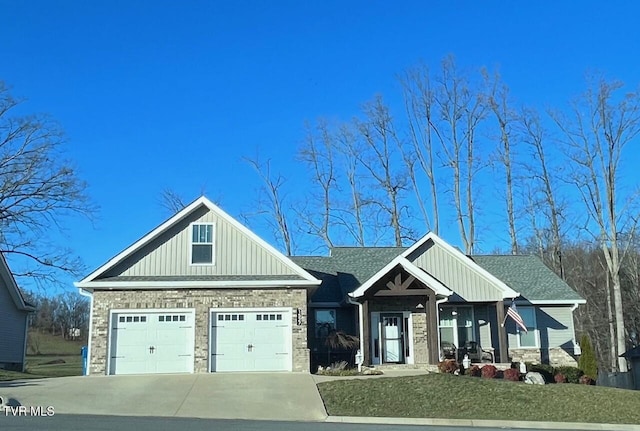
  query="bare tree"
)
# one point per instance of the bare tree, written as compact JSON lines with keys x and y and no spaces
{"x":423,"y":137}
{"x":379,"y":139}
{"x":544,"y":200}
{"x":601,"y":126}
{"x":172,"y":201}
{"x":498,"y":99}
{"x":39,"y":190}
{"x":318,"y":154}
{"x":461,"y":109}
{"x":273,"y":203}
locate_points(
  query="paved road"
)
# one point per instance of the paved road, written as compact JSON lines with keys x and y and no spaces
{"x":122,"y":423}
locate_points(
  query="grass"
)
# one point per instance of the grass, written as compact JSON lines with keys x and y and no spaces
{"x":457,"y":397}
{"x":58,"y":358}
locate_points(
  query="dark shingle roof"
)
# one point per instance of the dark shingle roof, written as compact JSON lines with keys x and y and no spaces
{"x":348,"y":267}
{"x":529,"y":276}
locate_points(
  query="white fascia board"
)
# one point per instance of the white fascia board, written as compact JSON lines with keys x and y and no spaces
{"x":367,"y":284}
{"x":145,"y":239}
{"x":421,"y":275}
{"x":202,"y":200}
{"x":507,"y":292}
{"x":93,"y":285}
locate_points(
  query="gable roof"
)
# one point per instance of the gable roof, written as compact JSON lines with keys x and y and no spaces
{"x":409,"y":255}
{"x":531,"y":277}
{"x":354,"y":269}
{"x":304,"y":278}
{"x":14,"y":290}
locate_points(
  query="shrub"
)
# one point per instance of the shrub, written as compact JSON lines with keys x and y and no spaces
{"x":587,"y":362}
{"x":586,"y":380}
{"x":560,"y":378}
{"x":572,"y":374}
{"x":489,"y":372}
{"x":545,"y":370}
{"x":448,"y":366}
{"x":474,"y":371}
{"x":512,"y":374}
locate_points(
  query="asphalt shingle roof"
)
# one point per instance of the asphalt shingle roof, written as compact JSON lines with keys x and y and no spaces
{"x":348,"y":267}
{"x":529,"y":276}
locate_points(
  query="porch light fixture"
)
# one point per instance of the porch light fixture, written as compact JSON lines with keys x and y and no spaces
{"x":420,"y":306}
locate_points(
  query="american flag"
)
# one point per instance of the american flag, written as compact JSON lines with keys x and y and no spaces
{"x":513,"y":313}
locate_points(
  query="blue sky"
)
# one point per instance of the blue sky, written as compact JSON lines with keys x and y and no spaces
{"x":167,"y":94}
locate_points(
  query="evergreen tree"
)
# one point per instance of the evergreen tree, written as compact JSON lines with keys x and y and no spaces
{"x":587,"y":362}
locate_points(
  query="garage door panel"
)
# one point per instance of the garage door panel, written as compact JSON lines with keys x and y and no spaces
{"x":257,"y":340}
{"x":152,"y":342}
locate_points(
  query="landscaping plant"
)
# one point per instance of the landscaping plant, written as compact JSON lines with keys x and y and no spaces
{"x":512,"y":374}
{"x":448,"y":366}
{"x":587,"y":362}
{"x":489,"y":372}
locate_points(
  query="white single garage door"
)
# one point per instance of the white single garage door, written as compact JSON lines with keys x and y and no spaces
{"x":251,"y":340}
{"x":152,"y":342}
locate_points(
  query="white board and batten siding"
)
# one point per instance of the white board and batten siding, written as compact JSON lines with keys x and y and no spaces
{"x":248,"y":339}
{"x":455,"y":274}
{"x":235,"y":253}
{"x":152,"y":341}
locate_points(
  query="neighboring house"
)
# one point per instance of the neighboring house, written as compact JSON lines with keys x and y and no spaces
{"x":14,"y":314}
{"x":202,"y":293}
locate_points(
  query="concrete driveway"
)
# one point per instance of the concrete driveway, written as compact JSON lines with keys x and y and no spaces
{"x":269,"y":396}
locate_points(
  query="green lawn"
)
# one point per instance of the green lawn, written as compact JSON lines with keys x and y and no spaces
{"x":460,"y":397}
{"x":58,"y":358}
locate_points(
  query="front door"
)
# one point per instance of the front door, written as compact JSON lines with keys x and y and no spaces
{"x":392,"y":338}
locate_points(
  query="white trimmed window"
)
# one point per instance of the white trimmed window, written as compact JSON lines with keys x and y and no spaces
{"x":202,"y":244}
{"x":529,"y":338}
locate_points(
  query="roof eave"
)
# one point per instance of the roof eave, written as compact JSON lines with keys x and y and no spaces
{"x":112,"y":284}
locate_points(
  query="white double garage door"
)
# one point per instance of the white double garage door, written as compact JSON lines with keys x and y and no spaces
{"x":163,"y":341}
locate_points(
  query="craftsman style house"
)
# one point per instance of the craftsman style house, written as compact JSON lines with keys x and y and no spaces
{"x":202,"y":293}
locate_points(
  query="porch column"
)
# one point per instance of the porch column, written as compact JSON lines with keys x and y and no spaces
{"x":432,"y":328}
{"x":365,"y":332}
{"x":502,"y":332}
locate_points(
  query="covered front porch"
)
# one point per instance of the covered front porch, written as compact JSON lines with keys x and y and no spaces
{"x":410,"y":318}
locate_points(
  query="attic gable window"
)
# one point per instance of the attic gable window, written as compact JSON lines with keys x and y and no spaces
{"x":202,"y":244}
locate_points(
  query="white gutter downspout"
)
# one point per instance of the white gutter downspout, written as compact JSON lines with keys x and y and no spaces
{"x":577,"y":349}
{"x":89,"y":295}
{"x":351,"y":301}
{"x":438,"y":302}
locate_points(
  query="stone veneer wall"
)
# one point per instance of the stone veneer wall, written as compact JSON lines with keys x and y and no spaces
{"x":202,"y":300}
{"x":556,"y":356}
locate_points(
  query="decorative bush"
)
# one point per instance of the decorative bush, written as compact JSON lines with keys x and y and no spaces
{"x":586,"y":380}
{"x":560,"y":378}
{"x":448,"y":366}
{"x":545,"y":370}
{"x":474,"y":371}
{"x":572,"y":374}
{"x":512,"y":374}
{"x":489,"y":372}
{"x":587,"y":362}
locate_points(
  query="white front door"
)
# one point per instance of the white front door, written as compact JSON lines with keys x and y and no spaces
{"x":251,"y":340}
{"x":145,"y":342}
{"x":392,"y":338}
